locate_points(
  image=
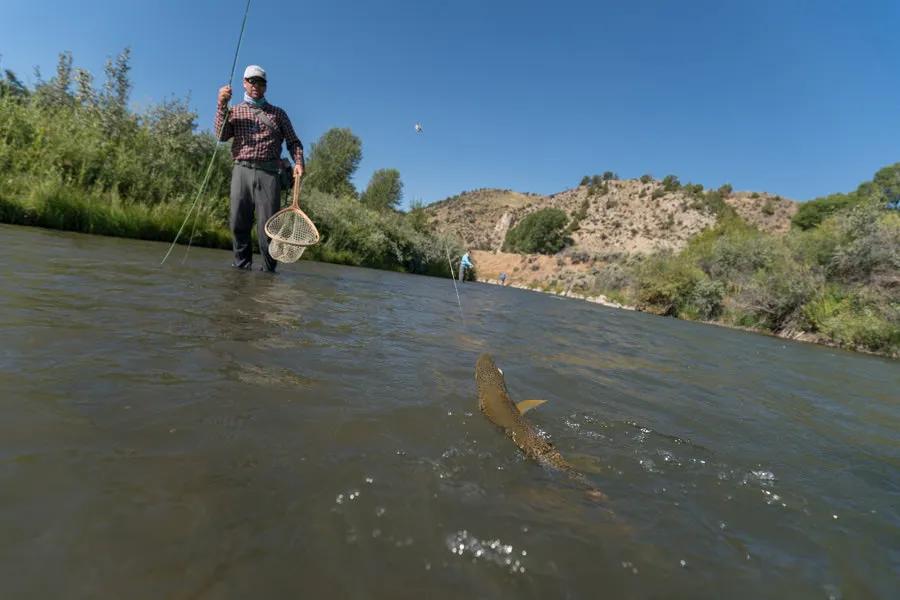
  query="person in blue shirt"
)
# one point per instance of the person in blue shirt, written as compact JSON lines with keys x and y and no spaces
{"x":464,"y":263}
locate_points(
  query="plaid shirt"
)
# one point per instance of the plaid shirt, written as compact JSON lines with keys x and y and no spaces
{"x":254,"y":140}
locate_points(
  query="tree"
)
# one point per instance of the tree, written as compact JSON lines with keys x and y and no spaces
{"x":385,"y":190}
{"x":671,"y":183}
{"x":84,"y":88}
{"x":610,"y":176}
{"x":10,"y":85}
{"x":586,"y":180}
{"x":542,"y":231}
{"x":333,"y":160}
{"x":646,"y":178}
{"x":417,"y":217}
{"x":884,"y":189}
{"x":57,"y":91}
{"x":813,"y":212}
{"x":118,"y":86}
{"x":113,"y":100}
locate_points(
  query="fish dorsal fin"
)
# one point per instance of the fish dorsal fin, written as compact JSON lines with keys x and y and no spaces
{"x":525,"y":405}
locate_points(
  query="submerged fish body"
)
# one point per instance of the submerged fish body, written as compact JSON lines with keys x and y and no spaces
{"x":495,"y":404}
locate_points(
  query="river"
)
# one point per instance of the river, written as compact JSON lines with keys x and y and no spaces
{"x":191,"y":431}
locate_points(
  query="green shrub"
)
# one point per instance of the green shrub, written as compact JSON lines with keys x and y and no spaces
{"x":869,"y":245}
{"x":665,"y":283}
{"x":541,"y":232}
{"x":693,"y":189}
{"x":857,"y":319}
{"x":816,"y":246}
{"x":598,"y":188}
{"x":739,"y":254}
{"x":713,"y":203}
{"x":705,"y":300}
{"x":356,"y":235}
{"x":773,"y":297}
{"x":813,"y":212}
{"x":646,"y":178}
{"x":670,"y":183}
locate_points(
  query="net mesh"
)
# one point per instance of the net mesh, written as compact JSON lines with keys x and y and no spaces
{"x":292,"y":226}
{"x":284,"y":252}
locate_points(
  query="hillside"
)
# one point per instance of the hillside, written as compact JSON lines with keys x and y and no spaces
{"x":622,"y":217}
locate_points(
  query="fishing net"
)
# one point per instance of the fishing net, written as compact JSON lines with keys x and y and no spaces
{"x":292,"y":226}
{"x":284,"y":252}
{"x":290,"y":230}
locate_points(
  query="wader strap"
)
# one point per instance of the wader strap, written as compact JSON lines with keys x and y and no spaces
{"x":264,"y":118}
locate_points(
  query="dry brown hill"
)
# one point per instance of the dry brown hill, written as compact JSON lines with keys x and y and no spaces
{"x":622,"y":217}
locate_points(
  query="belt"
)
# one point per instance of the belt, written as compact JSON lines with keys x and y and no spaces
{"x":271,"y":166}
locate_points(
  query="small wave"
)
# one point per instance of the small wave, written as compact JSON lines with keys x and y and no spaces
{"x":462,"y":543}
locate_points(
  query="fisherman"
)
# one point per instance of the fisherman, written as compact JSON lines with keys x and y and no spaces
{"x":464,"y":263}
{"x":258,"y":129}
{"x":503,"y":278}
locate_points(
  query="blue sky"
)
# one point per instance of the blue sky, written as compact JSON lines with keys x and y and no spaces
{"x":799,"y":98}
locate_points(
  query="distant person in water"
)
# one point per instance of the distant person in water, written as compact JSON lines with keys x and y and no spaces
{"x":259,"y":129}
{"x":464,"y":263}
{"x":502,"y":278}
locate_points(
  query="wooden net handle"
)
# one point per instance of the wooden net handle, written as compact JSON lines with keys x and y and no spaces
{"x":298,"y":185}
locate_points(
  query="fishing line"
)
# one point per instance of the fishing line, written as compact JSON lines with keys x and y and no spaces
{"x":213,"y":157}
{"x":456,"y":289}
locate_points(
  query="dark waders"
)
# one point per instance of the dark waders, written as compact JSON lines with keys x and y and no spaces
{"x":254,"y":189}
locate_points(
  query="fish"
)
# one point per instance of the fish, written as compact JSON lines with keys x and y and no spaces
{"x":495,"y":404}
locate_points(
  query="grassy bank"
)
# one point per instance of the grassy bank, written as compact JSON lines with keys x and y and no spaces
{"x":55,"y":205}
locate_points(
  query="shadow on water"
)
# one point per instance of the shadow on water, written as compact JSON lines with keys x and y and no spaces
{"x":198,"y":432}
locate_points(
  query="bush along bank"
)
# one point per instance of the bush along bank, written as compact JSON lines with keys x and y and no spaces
{"x":837,"y":283}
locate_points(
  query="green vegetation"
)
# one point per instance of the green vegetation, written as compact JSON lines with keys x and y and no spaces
{"x":75,"y":157}
{"x":883,"y":190}
{"x":385,"y":190}
{"x":711,"y":201}
{"x":334,"y":159}
{"x":541,"y":232}
{"x":671,"y":183}
{"x":838,"y":281}
{"x":812,"y":213}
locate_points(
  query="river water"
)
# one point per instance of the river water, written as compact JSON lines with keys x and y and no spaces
{"x":190,"y":431}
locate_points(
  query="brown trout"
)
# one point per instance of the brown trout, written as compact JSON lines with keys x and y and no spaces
{"x":495,"y":404}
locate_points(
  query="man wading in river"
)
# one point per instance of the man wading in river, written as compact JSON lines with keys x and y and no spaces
{"x":258,"y":129}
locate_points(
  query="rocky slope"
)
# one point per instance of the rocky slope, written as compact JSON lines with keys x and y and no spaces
{"x":623,"y":217}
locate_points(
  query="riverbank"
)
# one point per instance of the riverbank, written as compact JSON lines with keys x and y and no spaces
{"x":794,"y":335}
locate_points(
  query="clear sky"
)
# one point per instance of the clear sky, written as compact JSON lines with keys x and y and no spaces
{"x":796,"y":97}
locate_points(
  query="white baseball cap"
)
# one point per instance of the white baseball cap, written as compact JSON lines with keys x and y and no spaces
{"x":254,"y":71}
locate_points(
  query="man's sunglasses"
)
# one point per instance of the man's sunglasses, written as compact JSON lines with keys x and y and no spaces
{"x":256,"y":81}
